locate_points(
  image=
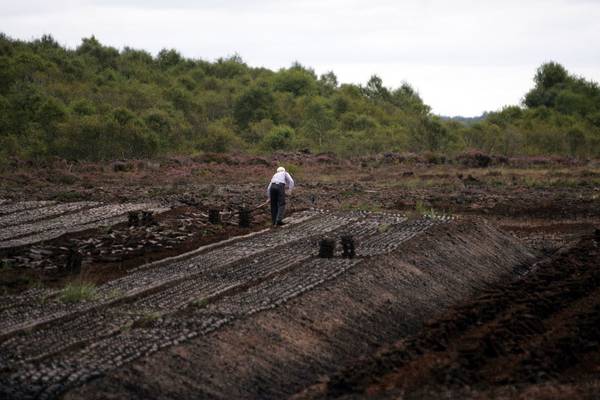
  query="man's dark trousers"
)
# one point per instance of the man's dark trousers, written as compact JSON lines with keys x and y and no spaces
{"x":277,"y":194}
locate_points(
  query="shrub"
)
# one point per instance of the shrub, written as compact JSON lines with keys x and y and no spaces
{"x":219,"y":138}
{"x":279,"y":138}
{"x":422,"y":210}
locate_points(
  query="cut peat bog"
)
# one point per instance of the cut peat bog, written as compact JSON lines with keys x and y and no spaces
{"x":395,"y":276}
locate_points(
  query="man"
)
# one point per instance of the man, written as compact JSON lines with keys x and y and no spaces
{"x":276,"y":192}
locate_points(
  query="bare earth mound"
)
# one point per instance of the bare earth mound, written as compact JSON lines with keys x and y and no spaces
{"x":535,"y":337}
{"x":274,"y":317}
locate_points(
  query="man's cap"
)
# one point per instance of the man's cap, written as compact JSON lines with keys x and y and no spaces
{"x":280,"y":169}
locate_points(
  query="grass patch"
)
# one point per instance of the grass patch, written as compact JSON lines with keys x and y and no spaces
{"x":422,"y":210}
{"x":114,"y":294}
{"x":383,"y":228}
{"x":200,"y":303}
{"x":46,"y":298}
{"x":127,"y":327}
{"x":149,"y":317}
{"x":145,"y":320}
{"x":78,"y":292}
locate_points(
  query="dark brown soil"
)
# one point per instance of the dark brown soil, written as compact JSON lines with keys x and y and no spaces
{"x":274,"y":353}
{"x":534,"y":337}
{"x":496,"y":328}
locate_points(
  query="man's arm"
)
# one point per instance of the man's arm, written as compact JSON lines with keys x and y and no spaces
{"x":269,"y":191}
{"x":289,"y":181}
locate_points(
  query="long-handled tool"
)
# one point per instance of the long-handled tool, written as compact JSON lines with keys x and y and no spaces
{"x":261,"y":206}
{"x":232,"y":213}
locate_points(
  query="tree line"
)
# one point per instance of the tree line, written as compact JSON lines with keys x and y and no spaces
{"x":95,"y":102}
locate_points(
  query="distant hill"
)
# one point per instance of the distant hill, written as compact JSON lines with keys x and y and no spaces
{"x":464,"y":120}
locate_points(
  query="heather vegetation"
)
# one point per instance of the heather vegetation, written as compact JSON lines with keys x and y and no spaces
{"x":95,"y":102}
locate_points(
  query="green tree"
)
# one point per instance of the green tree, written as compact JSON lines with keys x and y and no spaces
{"x":550,"y":74}
{"x":429,"y":134}
{"x":318,"y":121}
{"x":168,"y":58}
{"x":103,"y":56}
{"x":407,"y":98}
{"x":255,"y":104}
{"x":228,"y":68}
{"x":328,"y":83}
{"x":549,"y":78}
{"x":296,"y":80}
{"x":375,"y":89}
{"x":258,"y":130}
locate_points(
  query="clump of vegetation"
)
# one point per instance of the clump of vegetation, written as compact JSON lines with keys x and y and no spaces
{"x":382,"y":228}
{"x":77,"y":292}
{"x":66,"y":196}
{"x":200,"y":303}
{"x":145,"y":320}
{"x":425,"y":211}
{"x":115,"y":293}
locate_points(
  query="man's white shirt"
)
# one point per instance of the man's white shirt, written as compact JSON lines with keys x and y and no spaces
{"x":281,"y":177}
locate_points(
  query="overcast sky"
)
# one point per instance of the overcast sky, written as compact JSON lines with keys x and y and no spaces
{"x":464,"y":57}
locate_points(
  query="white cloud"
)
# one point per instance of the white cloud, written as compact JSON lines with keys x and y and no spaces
{"x":464,"y":56}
